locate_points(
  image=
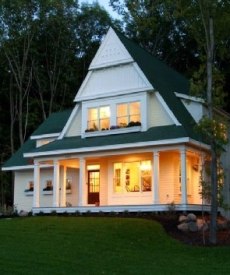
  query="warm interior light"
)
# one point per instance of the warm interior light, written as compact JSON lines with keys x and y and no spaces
{"x":145,"y":165}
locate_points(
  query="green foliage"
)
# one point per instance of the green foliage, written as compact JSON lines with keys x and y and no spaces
{"x":76,"y":245}
{"x":205,"y":183}
{"x":213,"y":128}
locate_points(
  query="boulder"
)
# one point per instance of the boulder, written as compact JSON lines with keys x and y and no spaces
{"x":23,"y":213}
{"x":192,"y":226}
{"x":191,"y":217}
{"x":202,"y":225}
{"x":182,"y":218}
{"x":183,"y":227}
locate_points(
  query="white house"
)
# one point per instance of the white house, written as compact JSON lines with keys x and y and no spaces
{"x":128,"y":144}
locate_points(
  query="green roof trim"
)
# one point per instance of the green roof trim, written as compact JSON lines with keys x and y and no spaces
{"x":53,"y":124}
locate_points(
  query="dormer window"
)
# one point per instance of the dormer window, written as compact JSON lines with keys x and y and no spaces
{"x":127,"y":113}
{"x":98,"y":118}
{"x":116,"y":116}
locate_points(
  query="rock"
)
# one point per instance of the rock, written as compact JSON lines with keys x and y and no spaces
{"x":191,"y":217}
{"x":183,"y":227}
{"x":23,"y":213}
{"x":192,"y":226}
{"x":202,"y":225}
{"x":183,"y":218}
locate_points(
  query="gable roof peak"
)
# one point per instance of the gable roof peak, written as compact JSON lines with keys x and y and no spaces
{"x":111,"y":52}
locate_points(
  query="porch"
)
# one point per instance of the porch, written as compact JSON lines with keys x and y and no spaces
{"x":122,"y":209}
{"x":147,"y":180}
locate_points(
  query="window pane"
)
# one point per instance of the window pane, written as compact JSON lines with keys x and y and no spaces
{"x":104,"y":112}
{"x":117,"y":184}
{"x":132,"y":181}
{"x":104,"y":118}
{"x":146,"y":177}
{"x":122,"y":115}
{"x":134,"y":111}
{"x":93,"y":119}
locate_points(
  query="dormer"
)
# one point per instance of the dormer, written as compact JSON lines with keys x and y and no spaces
{"x":114,"y":115}
{"x":113,"y":95}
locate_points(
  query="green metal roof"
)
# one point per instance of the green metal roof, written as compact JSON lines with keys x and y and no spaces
{"x":17,"y":159}
{"x":164,"y":79}
{"x":53,"y":124}
{"x":152,"y":134}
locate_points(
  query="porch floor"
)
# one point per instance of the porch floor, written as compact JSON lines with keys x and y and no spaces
{"x":122,"y":208}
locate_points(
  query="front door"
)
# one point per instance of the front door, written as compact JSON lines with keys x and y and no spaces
{"x":93,"y":186}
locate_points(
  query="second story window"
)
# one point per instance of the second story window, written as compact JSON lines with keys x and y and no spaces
{"x":99,"y":118}
{"x":128,"y":114}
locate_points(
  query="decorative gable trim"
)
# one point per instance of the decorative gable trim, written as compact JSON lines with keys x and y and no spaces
{"x":45,"y":136}
{"x":169,"y":112}
{"x":111,"y":52}
{"x":190,"y":98}
{"x":68,"y":124}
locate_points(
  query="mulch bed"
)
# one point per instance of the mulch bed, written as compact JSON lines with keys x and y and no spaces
{"x":170,"y":222}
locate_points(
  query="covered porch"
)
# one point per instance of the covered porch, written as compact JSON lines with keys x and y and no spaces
{"x":144,"y":180}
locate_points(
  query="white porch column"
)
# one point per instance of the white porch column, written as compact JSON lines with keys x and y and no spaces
{"x":56,"y":175}
{"x":81,"y":181}
{"x":183,"y":176}
{"x":155,"y":177}
{"x":36,"y":198}
{"x":63,"y":188}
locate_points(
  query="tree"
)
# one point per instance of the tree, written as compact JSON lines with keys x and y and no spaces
{"x":194,"y":29}
{"x":46,"y":47}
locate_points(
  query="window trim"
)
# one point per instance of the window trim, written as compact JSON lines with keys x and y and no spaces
{"x":125,"y":177}
{"x":112,"y":103}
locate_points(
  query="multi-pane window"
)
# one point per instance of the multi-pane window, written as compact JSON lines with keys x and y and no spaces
{"x":99,"y":118}
{"x":127,"y":113}
{"x":132,"y":177}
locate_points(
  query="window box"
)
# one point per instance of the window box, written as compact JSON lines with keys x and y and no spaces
{"x":47,"y":192}
{"x":113,"y":132}
{"x":29,"y":193}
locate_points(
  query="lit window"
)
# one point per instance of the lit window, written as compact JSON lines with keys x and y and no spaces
{"x":98,"y":119}
{"x":49,"y":186}
{"x":128,"y":114}
{"x":132,"y":177}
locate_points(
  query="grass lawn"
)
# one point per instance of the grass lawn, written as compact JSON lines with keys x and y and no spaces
{"x":101,"y":245}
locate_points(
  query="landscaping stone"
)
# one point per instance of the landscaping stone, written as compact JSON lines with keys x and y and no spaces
{"x":191,"y":217}
{"x":202,"y":225}
{"x":192,"y":226}
{"x":183,"y":227}
{"x":23,"y":213}
{"x":183,"y":218}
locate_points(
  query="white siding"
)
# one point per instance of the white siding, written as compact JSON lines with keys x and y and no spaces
{"x":157,"y":116}
{"x":196,"y":109}
{"x":107,"y":82}
{"x":75,"y":127}
{"x":167,"y":177}
{"x":21,"y":182}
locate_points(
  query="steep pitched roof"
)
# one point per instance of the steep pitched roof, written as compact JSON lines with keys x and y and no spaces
{"x":151,"y":135}
{"x":17,"y":158}
{"x":53,"y":124}
{"x":164,"y":79}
